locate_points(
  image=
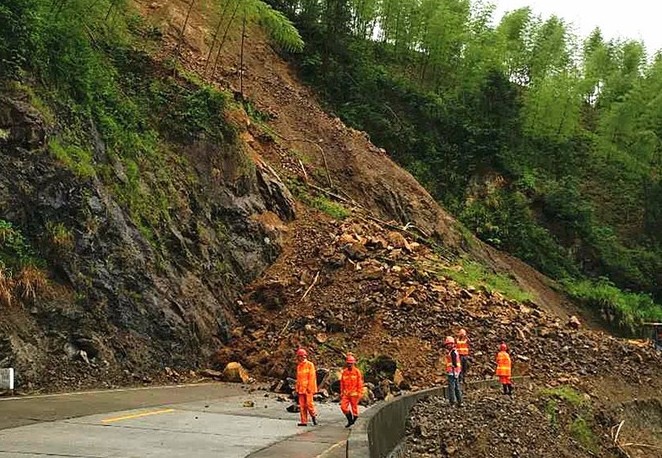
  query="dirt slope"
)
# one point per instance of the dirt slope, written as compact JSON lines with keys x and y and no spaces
{"x":334,"y":156}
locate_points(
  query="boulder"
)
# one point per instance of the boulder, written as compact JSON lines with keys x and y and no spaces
{"x":331,"y":381}
{"x":574,"y":323}
{"x":210,"y":373}
{"x":367,"y":397}
{"x":235,"y":373}
{"x":398,"y":240}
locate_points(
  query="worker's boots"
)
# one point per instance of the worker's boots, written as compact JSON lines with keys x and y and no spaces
{"x":314,"y":418}
{"x":350,"y":419}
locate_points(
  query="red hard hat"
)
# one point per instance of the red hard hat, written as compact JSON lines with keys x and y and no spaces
{"x":350,"y":359}
{"x":449,"y":340}
{"x":302,"y":352}
{"x":503,"y":347}
{"x":463,"y":333}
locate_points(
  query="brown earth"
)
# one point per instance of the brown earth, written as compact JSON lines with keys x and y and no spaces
{"x":493,"y":425}
{"x":300,"y":134}
{"x":364,"y":284}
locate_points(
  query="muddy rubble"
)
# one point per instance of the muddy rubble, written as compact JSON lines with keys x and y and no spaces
{"x":363,"y":287}
{"x":493,"y":425}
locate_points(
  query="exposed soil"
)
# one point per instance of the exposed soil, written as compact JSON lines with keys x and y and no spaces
{"x":362,"y":284}
{"x":492,"y":425}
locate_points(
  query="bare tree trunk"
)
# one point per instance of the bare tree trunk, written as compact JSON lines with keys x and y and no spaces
{"x":225,"y":35}
{"x":216,"y":32}
{"x":110,"y":8}
{"x":241,"y":57}
{"x":181,"y":35}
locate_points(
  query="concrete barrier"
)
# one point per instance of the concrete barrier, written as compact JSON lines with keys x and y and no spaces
{"x":380,"y":430}
{"x":7,"y":379}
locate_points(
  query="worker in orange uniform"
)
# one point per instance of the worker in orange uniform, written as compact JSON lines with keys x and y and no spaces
{"x":453,"y":370}
{"x":504,"y":369}
{"x":351,"y":390}
{"x":306,"y":387}
{"x":462,"y":344}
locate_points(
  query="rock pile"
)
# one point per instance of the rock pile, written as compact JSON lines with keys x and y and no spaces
{"x":359,"y":286}
{"x":495,"y":426}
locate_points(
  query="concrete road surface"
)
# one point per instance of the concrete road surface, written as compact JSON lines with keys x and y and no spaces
{"x":211,"y":420}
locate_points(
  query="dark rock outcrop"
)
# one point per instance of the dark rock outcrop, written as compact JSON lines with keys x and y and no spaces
{"x":132,"y":303}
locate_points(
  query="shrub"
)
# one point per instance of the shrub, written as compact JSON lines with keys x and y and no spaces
{"x":625,"y":310}
{"x":6,"y":286}
{"x":30,"y":281}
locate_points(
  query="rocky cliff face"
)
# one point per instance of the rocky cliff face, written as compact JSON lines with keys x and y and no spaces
{"x":119,"y":306}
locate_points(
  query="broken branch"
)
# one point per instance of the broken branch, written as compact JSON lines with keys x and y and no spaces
{"x":317,"y":276}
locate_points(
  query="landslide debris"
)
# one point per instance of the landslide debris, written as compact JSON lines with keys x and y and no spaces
{"x":358,"y":285}
{"x":492,"y":425}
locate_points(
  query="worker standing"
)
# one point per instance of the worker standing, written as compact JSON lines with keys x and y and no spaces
{"x":306,"y":387}
{"x":351,"y":390}
{"x":463,"y":349}
{"x":504,"y":369}
{"x":453,"y":370}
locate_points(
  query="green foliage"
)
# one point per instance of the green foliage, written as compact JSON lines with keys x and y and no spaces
{"x":280,"y":28}
{"x":579,"y":423}
{"x":120,"y":113}
{"x":60,"y":236}
{"x":15,"y":251}
{"x":18,"y":19}
{"x":320,"y":202}
{"x":331,"y":208}
{"x":470,"y":273}
{"x":551,"y":411}
{"x":567,"y":394}
{"x":571,"y":129}
{"x":77,"y":159}
{"x":625,"y":310}
{"x":581,"y":430}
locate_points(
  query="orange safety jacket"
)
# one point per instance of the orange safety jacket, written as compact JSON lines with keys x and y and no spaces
{"x":449,"y":362}
{"x":351,"y":382}
{"x":463,"y":347}
{"x":503,"y":364}
{"x":306,"y":378}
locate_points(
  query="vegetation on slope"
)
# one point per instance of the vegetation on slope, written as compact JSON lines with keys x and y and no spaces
{"x":543,"y":144}
{"x":87,"y":67}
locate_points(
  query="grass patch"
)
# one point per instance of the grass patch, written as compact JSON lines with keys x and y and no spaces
{"x":577,"y":420}
{"x":469,"y":273}
{"x":322,"y":203}
{"x":625,"y":310}
{"x":60,"y":236}
{"x":21,"y":271}
{"x":15,"y":251}
{"x":567,"y":394}
{"x":331,"y":208}
{"x":552,"y":412}
{"x":78,"y":160}
{"x":581,"y":430}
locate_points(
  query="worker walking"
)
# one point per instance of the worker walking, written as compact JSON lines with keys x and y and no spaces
{"x":463,"y":350}
{"x":306,"y":387}
{"x":504,"y":369}
{"x":351,"y":390}
{"x":453,"y":370}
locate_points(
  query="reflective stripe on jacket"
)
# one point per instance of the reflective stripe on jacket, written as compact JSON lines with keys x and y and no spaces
{"x":463,"y":347}
{"x":306,"y":378}
{"x":503,"y":364}
{"x":351,"y":382}
{"x":453,"y":364}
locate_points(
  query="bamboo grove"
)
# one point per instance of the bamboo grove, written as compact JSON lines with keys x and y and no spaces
{"x":542,"y":142}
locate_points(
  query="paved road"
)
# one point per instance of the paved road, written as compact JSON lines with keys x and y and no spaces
{"x":210,"y":420}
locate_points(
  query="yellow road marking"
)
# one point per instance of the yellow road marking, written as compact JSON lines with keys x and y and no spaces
{"x":137,"y":415}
